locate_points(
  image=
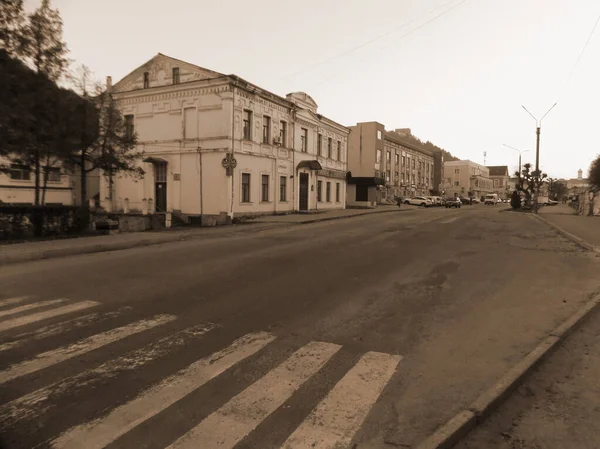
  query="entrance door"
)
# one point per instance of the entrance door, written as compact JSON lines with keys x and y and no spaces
{"x":303,"y":191}
{"x":160,"y":187}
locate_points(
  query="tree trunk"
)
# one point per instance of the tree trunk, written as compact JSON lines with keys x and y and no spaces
{"x":85,"y":207}
{"x":37,"y":177}
{"x":46,"y":168}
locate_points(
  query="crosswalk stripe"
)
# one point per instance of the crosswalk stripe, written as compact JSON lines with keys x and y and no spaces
{"x":39,"y":402}
{"x":53,"y":357}
{"x":10,"y":301}
{"x":236,"y":419}
{"x":333,"y":423}
{"x":27,"y":307}
{"x":58,"y":328}
{"x":101,"y":432}
{"x":28,"y":319}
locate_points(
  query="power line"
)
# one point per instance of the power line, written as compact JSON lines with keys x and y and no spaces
{"x":580,"y":55}
{"x":404,"y":35}
{"x":364,"y":44}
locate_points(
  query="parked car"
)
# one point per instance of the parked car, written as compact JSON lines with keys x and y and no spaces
{"x":419,"y":201}
{"x":435,"y":200}
{"x":475,"y":201}
{"x":453,"y":202}
{"x":552,"y":203}
{"x":464,"y":200}
{"x":492,"y":199}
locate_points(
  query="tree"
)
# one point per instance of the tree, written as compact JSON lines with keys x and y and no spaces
{"x":46,"y":52}
{"x":12,"y":27}
{"x":529,"y":182}
{"x":594,"y":175}
{"x":556,"y":189}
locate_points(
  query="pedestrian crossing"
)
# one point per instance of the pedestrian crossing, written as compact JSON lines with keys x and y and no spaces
{"x":150,"y":342}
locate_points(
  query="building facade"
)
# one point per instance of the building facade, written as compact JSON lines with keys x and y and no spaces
{"x":467,"y":179}
{"x":383,"y":166}
{"x":17,"y":185}
{"x":217,"y":147}
{"x":501,"y":180}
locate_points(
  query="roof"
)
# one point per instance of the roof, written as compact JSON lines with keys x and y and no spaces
{"x":498,"y":170}
{"x":397,"y":138}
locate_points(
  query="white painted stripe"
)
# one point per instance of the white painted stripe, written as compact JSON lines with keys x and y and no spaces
{"x":42,"y":401}
{"x":101,"y":432}
{"x":10,"y":301}
{"x":242,"y":414}
{"x":336,"y":419}
{"x":24,"y":320}
{"x":27,"y":307}
{"x":53,"y":357}
{"x":59,"y":328}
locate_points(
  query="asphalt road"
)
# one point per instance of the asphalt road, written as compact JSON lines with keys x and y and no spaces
{"x":370,"y":331}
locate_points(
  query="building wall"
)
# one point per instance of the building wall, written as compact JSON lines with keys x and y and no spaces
{"x":462,"y":177}
{"x":362,"y":148}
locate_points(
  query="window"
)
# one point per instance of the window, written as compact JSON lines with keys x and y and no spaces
{"x":319,"y":190}
{"x":20,"y":172}
{"x":328,"y":192}
{"x":146,"y":80}
{"x":283,"y":134}
{"x":304,"y":140}
{"x":396,"y":176}
{"x":456,"y":183}
{"x":397,"y":159}
{"x":379,"y":134}
{"x":339,"y":150}
{"x":266,"y":129}
{"x":404,"y":161}
{"x":129,"y":129}
{"x":330,"y":148}
{"x":245,"y":187}
{"x":378,"y":160}
{"x":283,"y":188}
{"x":53,"y":174}
{"x":337,"y":192}
{"x":320,"y":144}
{"x":414,"y":163}
{"x":457,"y":171}
{"x":264,"y":193}
{"x":247,"y":125}
{"x":388,"y":158}
{"x":175,"y":75}
{"x":387,"y":175}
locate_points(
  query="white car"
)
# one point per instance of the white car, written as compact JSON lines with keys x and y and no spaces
{"x":419,"y":201}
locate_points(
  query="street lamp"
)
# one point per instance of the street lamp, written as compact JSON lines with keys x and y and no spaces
{"x":538,"y":125}
{"x":520,"y":152}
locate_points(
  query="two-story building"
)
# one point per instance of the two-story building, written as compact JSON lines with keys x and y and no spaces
{"x":217,"y":147}
{"x":467,"y":179}
{"x":383,"y":166}
{"x":500,"y":179}
{"x":17,"y":185}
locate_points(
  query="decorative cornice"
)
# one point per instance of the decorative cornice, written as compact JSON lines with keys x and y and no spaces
{"x":140,"y":97}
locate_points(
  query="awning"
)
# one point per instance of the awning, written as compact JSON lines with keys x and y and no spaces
{"x":311,"y":165}
{"x":366,"y":181}
{"x":155,"y":160}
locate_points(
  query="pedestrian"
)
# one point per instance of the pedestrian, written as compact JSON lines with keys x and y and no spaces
{"x":399,"y":201}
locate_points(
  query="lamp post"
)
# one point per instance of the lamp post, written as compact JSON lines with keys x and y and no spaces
{"x":538,"y":126}
{"x":520,"y":152}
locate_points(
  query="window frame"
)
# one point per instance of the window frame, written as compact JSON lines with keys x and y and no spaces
{"x":264,"y":193}
{"x":243,"y":199}
{"x":146,"y":80}
{"x":129,"y":122}
{"x":328,"y":192}
{"x":283,"y":133}
{"x":53,"y":171}
{"x":319,"y":191}
{"x":329,"y":148}
{"x":319,"y":144}
{"x":339,"y":150}
{"x":247,"y":125}
{"x":338,"y":192}
{"x":266,"y":135}
{"x":283,"y":189}
{"x":378,"y":157}
{"x":175,"y":75}
{"x":304,"y":140}
{"x":22,"y":170}
{"x":379,"y":135}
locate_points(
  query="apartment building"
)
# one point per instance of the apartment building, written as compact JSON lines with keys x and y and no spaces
{"x":467,"y":178}
{"x":383,"y":166}
{"x":501,"y":180}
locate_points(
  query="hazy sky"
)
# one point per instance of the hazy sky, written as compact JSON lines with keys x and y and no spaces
{"x":458,"y":81}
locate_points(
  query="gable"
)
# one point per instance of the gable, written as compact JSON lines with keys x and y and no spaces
{"x":160,"y":70}
{"x":303,"y":100}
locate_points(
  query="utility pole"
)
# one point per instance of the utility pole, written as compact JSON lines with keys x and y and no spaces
{"x":538,"y":126}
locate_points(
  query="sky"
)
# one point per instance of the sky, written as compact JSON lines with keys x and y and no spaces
{"x":457,"y":72}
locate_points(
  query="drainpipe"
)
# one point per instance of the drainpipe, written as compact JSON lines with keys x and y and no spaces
{"x":294,"y":208}
{"x":232,"y":148}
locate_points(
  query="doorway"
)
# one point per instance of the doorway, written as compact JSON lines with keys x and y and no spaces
{"x":303,"y":205}
{"x":160,"y":187}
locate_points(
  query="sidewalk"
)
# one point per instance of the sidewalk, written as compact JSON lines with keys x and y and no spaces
{"x":31,"y":251}
{"x":587,"y":229}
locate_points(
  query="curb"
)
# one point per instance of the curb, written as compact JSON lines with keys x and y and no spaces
{"x":463,"y":422}
{"x":341,"y":217}
{"x":568,"y":235}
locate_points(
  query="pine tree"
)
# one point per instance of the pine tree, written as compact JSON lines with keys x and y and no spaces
{"x":12,"y":27}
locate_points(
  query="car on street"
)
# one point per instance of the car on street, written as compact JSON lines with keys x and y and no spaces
{"x":552,"y":203}
{"x":419,"y":201}
{"x":435,"y":200}
{"x":475,"y":201}
{"x":492,"y":199}
{"x":453,"y":202}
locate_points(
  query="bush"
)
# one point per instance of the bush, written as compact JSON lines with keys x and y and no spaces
{"x":24,"y":222}
{"x":515,"y":200}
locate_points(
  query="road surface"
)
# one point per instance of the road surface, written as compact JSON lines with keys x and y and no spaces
{"x":371,"y":331}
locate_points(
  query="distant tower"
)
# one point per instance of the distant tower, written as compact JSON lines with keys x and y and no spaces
{"x":580,"y":174}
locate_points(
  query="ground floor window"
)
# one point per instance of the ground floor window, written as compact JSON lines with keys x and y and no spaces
{"x":319,"y":191}
{"x":337,"y":192}
{"x":283,"y":188}
{"x":328,"y":192}
{"x":265,"y":188}
{"x":245,"y":187}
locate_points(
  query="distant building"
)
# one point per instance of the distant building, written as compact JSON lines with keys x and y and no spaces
{"x":576,"y":185}
{"x":500,"y":179}
{"x":467,"y":178}
{"x":382,"y":165}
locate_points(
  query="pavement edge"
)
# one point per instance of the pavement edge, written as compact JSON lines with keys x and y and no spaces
{"x":449,"y":434}
{"x":567,"y":234}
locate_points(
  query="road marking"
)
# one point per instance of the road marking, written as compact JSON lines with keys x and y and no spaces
{"x":336,"y":419}
{"x":236,"y":419}
{"x":9,"y":301}
{"x":59,"y":328}
{"x":22,"y":321}
{"x":40,"y":402}
{"x":101,"y":432}
{"x":27,"y":307}
{"x":449,"y":220}
{"x":84,"y":346}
